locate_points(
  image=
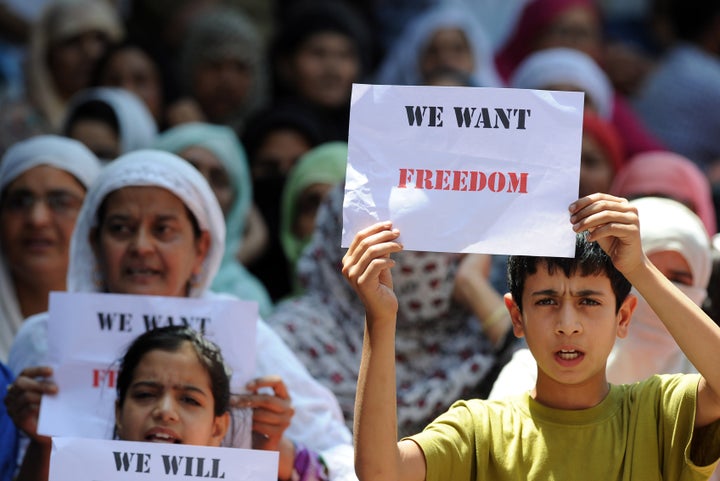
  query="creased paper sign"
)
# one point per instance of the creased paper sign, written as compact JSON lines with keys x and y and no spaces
{"x":104,"y":460}
{"x":89,"y":332}
{"x":463,"y":169}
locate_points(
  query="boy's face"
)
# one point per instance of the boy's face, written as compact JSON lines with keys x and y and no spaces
{"x":570,"y":325}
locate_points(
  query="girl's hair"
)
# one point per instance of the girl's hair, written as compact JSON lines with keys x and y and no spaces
{"x":171,"y":339}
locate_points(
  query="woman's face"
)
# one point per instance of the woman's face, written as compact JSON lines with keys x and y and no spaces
{"x":577,"y":27}
{"x":447,"y":48}
{"x":214,"y":172}
{"x":596,"y":169}
{"x":38,"y":212}
{"x":306,"y":209}
{"x":72,"y":61}
{"x":98,"y":136}
{"x":324,"y":68}
{"x":278,"y":153}
{"x":673,"y":266}
{"x":170,"y":400}
{"x":221,"y":87}
{"x":146,"y":244}
{"x":133,"y":70}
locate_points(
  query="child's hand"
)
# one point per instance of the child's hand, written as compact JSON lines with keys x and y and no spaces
{"x":614,"y":224}
{"x":272,"y":413}
{"x":366,"y":265}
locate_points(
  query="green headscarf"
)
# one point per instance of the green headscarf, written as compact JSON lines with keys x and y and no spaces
{"x":325,"y":164}
{"x":222,"y":142}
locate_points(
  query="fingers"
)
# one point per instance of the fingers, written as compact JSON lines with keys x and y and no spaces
{"x":274,"y":382}
{"x":603,"y":215}
{"x":24,"y":395}
{"x":369,"y":253}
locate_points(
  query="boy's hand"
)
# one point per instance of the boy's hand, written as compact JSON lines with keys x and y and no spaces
{"x":614,"y":224}
{"x":366,"y":265}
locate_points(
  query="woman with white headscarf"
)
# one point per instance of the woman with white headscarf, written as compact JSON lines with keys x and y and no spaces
{"x":42,"y":185}
{"x":218,"y":154}
{"x":109,"y":121}
{"x":152,"y":225}
{"x":443,"y":37}
{"x":675,"y":240}
{"x":566,"y":69}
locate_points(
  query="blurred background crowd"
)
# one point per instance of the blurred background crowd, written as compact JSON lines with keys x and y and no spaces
{"x":256,"y":95}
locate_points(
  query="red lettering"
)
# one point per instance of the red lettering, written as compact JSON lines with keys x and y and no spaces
{"x":518,"y":184}
{"x":460,"y":180}
{"x":404,"y":175}
{"x":104,"y":377}
{"x":496,"y":182}
{"x":455,"y":180}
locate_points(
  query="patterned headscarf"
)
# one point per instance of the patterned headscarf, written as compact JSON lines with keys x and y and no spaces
{"x":441,"y":353}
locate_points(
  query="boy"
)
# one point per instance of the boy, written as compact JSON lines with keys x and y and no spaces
{"x":573,"y":425}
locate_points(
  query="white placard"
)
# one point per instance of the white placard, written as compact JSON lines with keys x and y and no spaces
{"x":104,"y":460}
{"x":465,"y":169}
{"x":89,"y":332}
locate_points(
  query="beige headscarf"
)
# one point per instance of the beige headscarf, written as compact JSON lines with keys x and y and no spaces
{"x":61,"y":20}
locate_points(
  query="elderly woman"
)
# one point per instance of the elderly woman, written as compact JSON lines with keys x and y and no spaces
{"x":217,"y":153}
{"x":42,"y":185}
{"x":152,"y":225}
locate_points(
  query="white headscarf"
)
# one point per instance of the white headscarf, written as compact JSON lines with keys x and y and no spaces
{"x":65,"y":154}
{"x":400,"y":66}
{"x":147,"y":168}
{"x":665,"y":225}
{"x":566,"y":66}
{"x":137,"y":127}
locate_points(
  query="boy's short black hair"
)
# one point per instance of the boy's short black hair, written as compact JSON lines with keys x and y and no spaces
{"x":589,"y":260}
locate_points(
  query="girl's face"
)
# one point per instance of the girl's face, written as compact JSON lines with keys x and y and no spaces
{"x":145,"y":243}
{"x":170,"y":400}
{"x":447,"y":48}
{"x":324,"y":68}
{"x":214,"y":172}
{"x":38,"y":212}
{"x":133,"y":70}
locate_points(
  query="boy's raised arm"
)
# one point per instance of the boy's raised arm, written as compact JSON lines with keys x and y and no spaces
{"x":614,"y":223}
{"x":378,"y":456}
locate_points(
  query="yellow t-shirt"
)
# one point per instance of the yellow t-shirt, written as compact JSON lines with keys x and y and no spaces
{"x":639,"y":432}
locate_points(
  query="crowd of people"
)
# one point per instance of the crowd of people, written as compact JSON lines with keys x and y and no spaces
{"x":197,"y":148}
